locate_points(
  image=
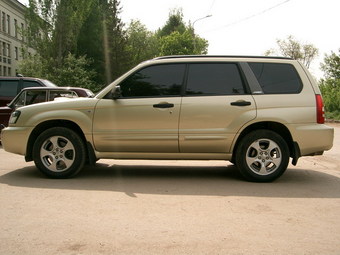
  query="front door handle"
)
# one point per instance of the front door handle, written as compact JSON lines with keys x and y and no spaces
{"x":240,"y":103}
{"x":163,"y":106}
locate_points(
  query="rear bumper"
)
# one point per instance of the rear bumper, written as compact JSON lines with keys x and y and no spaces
{"x":14,"y":139}
{"x":313,"y":139}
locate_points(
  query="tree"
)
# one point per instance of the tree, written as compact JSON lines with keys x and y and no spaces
{"x":116,"y":52}
{"x":174,"y":23}
{"x":142,"y":44}
{"x":330,"y":86}
{"x":292,"y":48}
{"x":177,"y":38}
{"x":85,"y":29}
{"x":73,"y":72}
{"x":331,"y":67}
{"x":182,"y":44}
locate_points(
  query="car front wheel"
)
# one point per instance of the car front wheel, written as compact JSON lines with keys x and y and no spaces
{"x":262,"y":156}
{"x":59,"y":152}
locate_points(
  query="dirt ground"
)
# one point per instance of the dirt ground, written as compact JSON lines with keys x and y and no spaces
{"x":171,"y":207}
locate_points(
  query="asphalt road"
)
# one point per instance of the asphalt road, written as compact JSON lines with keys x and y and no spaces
{"x":170,"y":207}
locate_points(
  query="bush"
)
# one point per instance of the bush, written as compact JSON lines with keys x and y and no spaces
{"x":331,"y":98}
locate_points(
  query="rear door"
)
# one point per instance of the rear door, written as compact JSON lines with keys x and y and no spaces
{"x":215,"y":106}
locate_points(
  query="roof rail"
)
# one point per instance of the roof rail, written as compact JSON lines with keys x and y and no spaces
{"x":218,"y":56}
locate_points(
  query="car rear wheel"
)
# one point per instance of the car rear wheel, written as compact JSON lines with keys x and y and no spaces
{"x":262,"y":156}
{"x":59,"y":152}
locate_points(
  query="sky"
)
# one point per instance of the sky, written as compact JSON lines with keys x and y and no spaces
{"x":247,"y":27}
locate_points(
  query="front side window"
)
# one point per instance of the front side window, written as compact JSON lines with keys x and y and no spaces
{"x":34,"y":97}
{"x":154,"y":81}
{"x":214,"y":79}
{"x":276,"y":78}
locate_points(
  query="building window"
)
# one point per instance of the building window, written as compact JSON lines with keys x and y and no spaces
{"x":4,"y":49}
{"x":8,"y":25}
{"x":5,"y":71}
{"x":8,"y":50}
{"x":15,"y":28}
{"x":3,"y":22}
{"x":16,"y":52}
{"x":22,"y":31}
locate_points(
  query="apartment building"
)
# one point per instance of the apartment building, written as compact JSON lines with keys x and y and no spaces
{"x":12,"y":23}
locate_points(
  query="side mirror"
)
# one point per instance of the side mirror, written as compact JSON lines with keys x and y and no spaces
{"x":117,"y":93}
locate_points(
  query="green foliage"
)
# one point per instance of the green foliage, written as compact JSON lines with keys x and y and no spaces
{"x":331,"y":67}
{"x":142,"y":44}
{"x":177,"y":38}
{"x":182,"y":44}
{"x":174,"y":23}
{"x":73,"y":72}
{"x":85,"y":43}
{"x":330,"y":86}
{"x":292,"y":48}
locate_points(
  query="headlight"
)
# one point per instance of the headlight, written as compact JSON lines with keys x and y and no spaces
{"x":14,"y":117}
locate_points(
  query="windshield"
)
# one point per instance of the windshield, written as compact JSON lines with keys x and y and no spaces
{"x":49,"y":83}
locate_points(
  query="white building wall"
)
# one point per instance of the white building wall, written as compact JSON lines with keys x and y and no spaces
{"x":12,"y":22}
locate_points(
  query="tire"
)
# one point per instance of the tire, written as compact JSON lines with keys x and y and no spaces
{"x":59,"y":152}
{"x":262,"y":156}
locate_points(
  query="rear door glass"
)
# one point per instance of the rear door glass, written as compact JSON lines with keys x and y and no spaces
{"x":275,"y":78}
{"x":214,"y":79}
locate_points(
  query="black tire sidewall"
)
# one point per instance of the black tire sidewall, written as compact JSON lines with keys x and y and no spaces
{"x":74,"y":138}
{"x":242,"y":151}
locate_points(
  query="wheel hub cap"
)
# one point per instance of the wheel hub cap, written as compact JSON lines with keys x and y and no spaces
{"x":263,"y":156}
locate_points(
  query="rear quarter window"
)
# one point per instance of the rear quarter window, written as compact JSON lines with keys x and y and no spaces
{"x":277,"y":78}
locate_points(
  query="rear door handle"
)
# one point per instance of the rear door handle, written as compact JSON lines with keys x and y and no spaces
{"x":163,"y":106}
{"x":240,"y":103}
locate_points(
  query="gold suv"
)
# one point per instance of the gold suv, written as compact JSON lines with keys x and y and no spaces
{"x":256,"y":112}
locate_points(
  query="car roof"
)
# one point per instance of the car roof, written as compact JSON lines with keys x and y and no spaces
{"x":19,"y":78}
{"x":219,"y":56}
{"x":45,"y":82}
{"x":54,"y":88}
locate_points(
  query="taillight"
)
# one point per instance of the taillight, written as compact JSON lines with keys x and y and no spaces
{"x":320,"y":110}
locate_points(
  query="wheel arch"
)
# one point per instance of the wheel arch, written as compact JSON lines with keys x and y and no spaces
{"x":277,"y":127}
{"x":57,"y":123}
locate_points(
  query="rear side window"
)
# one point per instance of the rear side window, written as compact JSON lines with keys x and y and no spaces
{"x":214,"y":79}
{"x":9,"y":88}
{"x":28,"y":84}
{"x":277,"y":78}
{"x":155,"y":81}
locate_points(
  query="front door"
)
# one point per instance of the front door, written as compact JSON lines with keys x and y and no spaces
{"x":145,"y":117}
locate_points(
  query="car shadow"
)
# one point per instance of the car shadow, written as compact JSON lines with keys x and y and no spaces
{"x":181,"y":179}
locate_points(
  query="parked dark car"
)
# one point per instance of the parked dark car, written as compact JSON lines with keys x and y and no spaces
{"x":35,"y":95}
{"x":11,"y":86}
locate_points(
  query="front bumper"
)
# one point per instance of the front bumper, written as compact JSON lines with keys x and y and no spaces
{"x":14,"y":139}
